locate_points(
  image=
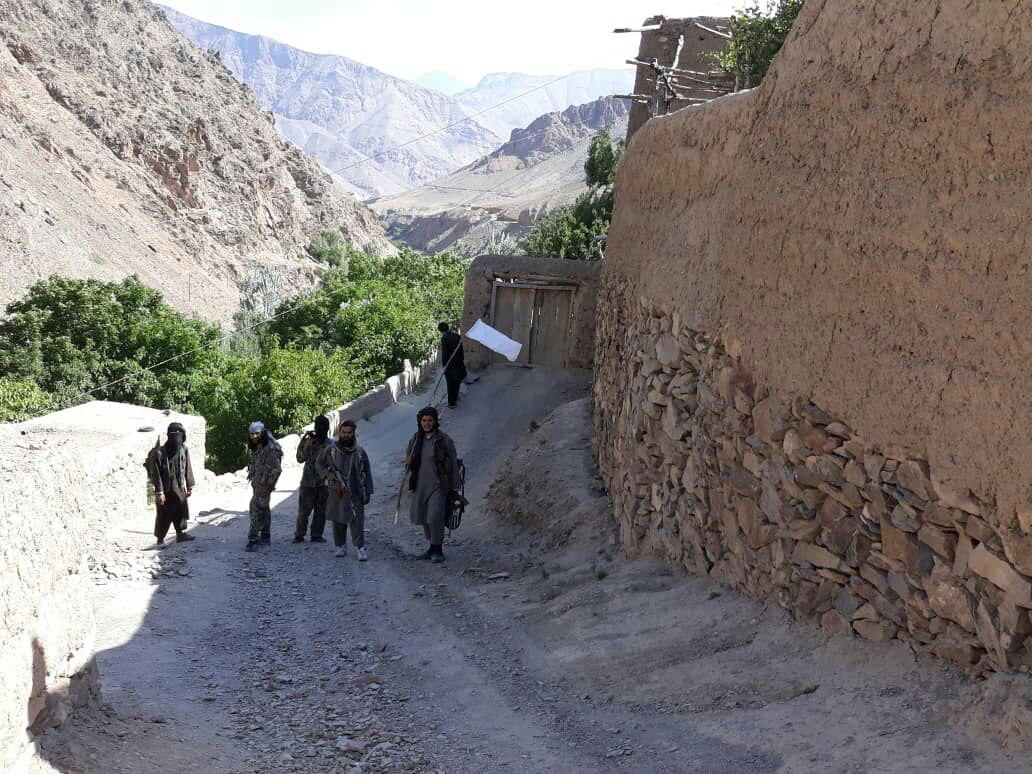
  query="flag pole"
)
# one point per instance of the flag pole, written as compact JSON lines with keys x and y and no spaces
{"x":437,"y":386}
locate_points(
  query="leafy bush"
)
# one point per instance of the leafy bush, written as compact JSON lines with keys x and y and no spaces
{"x":330,"y":248}
{"x":21,"y":398}
{"x":570,"y":232}
{"x":378,"y":312}
{"x":284,"y":388}
{"x":756,"y":37}
{"x":67,"y":336}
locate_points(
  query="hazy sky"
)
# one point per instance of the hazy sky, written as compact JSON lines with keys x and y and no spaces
{"x":467,"y":38}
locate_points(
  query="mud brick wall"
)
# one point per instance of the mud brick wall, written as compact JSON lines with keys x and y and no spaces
{"x":813,"y":350}
{"x":65,"y":480}
{"x":765,"y":491}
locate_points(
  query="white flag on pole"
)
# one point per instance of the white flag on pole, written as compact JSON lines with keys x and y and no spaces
{"x":494,"y":340}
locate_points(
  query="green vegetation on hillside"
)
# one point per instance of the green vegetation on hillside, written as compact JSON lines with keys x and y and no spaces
{"x":66,"y":337}
{"x":570,"y":232}
{"x":756,"y":36}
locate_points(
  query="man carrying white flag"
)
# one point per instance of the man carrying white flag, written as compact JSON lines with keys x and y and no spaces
{"x":494,"y":340}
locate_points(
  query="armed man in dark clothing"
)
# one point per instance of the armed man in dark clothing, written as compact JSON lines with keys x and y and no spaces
{"x":312,"y":493}
{"x":171,"y":475}
{"x":453,"y":362}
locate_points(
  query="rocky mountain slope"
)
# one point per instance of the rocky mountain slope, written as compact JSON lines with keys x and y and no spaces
{"x":341,"y":111}
{"x":494,"y":201}
{"x":124,"y":149}
{"x":553,"y":95}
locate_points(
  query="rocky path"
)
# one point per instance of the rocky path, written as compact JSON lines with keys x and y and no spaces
{"x":524,"y":652}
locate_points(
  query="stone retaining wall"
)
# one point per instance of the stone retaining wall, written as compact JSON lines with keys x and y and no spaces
{"x":767,"y":492}
{"x":813,"y":354}
{"x":384,"y":395}
{"x":64,"y":479}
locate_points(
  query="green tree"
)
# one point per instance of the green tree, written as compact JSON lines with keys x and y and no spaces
{"x":379,"y":311}
{"x":20,"y":399}
{"x":284,"y":388}
{"x":756,"y":37}
{"x":571,"y":231}
{"x":68,"y":336}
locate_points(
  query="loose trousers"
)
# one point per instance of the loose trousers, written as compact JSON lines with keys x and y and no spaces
{"x":357,"y":527}
{"x":174,"y":513}
{"x":261,"y":515}
{"x":453,"y":381}
{"x":311,"y":498}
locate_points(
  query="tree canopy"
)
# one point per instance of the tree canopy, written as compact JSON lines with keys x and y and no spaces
{"x":756,"y":37}
{"x":570,"y":232}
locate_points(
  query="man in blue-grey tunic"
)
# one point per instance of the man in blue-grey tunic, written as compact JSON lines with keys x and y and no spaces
{"x":349,"y":482}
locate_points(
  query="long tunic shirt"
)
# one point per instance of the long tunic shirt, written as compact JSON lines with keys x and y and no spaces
{"x":354,"y":469}
{"x":428,"y":501}
{"x":170,"y":475}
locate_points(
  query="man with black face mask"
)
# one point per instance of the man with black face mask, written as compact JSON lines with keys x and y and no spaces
{"x":311,"y":495}
{"x":171,"y":475}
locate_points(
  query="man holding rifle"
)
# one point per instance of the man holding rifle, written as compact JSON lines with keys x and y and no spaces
{"x":311,"y":499}
{"x":349,"y":480}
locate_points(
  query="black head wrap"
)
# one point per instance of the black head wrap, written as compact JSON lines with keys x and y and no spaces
{"x":322,"y":427}
{"x":417,"y":447}
{"x":429,"y":411}
{"x":176,"y":437}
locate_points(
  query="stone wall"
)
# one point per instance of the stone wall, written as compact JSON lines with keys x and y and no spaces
{"x":812,"y":351}
{"x":485,"y":269}
{"x":63,"y":479}
{"x":385,"y":395}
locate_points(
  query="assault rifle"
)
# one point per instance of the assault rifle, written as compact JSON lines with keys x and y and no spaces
{"x":335,"y":480}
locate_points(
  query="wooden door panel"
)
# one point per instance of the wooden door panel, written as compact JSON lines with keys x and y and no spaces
{"x":514,"y":316}
{"x":550,"y":340}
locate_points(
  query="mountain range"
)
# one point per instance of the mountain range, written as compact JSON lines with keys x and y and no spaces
{"x":380,"y":135}
{"x":519,"y":98}
{"x":490,"y":204}
{"x":126,"y":150}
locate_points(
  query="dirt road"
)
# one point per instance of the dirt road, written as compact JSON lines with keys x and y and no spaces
{"x":523,"y":652}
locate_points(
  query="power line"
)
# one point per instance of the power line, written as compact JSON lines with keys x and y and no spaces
{"x":87,"y":393}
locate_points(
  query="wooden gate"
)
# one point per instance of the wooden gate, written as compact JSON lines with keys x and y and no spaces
{"x":539,"y":316}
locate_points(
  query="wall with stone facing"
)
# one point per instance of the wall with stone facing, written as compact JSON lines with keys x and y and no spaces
{"x":813,"y":349}
{"x":63,"y":479}
{"x":764,"y":490}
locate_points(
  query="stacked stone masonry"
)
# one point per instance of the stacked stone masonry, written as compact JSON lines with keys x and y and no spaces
{"x":766,"y":492}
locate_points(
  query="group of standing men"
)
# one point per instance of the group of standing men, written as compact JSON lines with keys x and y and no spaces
{"x":336,"y":482}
